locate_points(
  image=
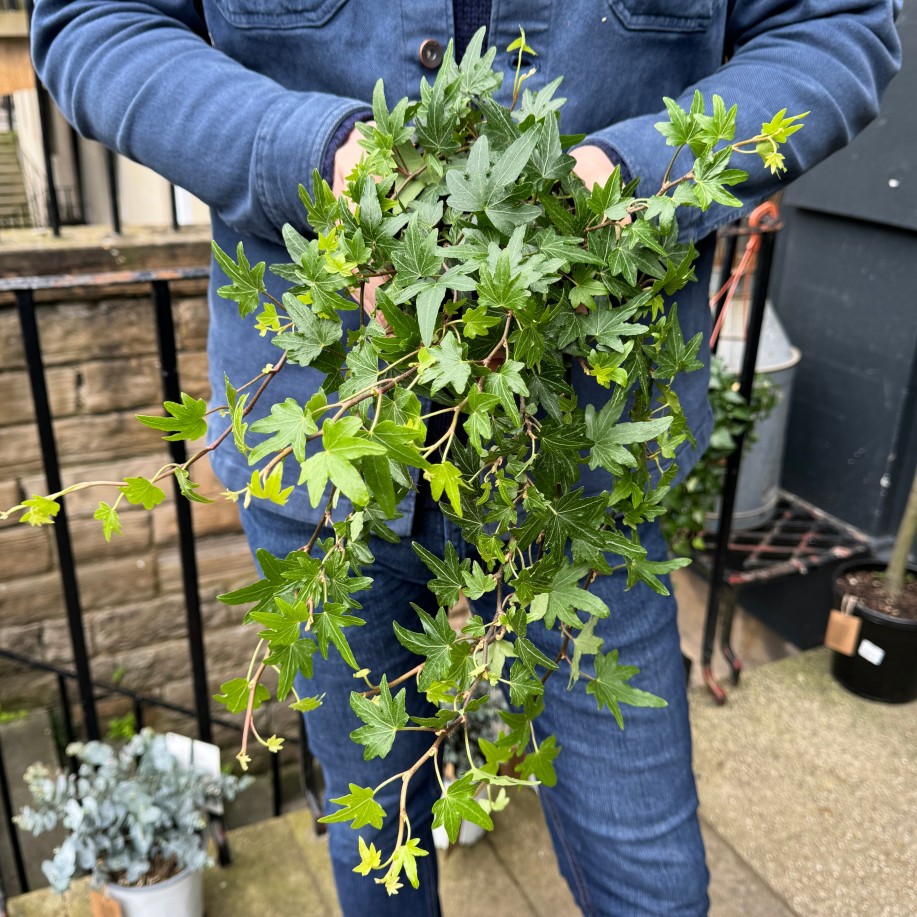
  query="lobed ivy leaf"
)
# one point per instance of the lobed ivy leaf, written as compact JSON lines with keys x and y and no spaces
{"x":247,"y":280}
{"x":610,"y":687}
{"x":185,"y":419}
{"x":359,"y":807}
{"x":142,"y":492}
{"x":234,"y":695}
{"x":435,"y":643}
{"x":383,"y":715}
{"x":108,"y":516}
{"x":456,"y":804}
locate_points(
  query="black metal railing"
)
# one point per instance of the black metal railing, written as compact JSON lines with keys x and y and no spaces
{"x":90,"y":690}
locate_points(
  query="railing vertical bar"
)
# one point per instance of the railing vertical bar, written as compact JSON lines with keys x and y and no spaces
{"x":111,"y":171}
{"x":173,"y":200}
{"x":67,"y":713}
{"x":76,"y":153}
{"x":14,"y":832}
{"x":25,"y":304}
{"x":44,"y":117}
{"x":168,"y":363}
{"x":138,"y":713}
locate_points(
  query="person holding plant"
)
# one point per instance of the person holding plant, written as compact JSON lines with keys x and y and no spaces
{"x":241,"y":106}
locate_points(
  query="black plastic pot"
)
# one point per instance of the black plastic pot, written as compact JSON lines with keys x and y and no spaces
{"x":884,"y":667}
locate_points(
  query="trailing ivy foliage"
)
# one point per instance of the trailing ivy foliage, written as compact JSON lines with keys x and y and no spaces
{"x":688,"y":505}
{"x":501,"y":275}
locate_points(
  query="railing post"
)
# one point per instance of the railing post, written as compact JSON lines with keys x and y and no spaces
{"x":25,"y":303}
{"x":111,"y":171}
{"x":168,"y":365}
{"x":44,"y":114}
{"x":14,"y":833}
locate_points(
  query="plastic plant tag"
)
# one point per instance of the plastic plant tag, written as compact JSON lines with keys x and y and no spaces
{"x":203,"y":757}
{"x":870,"y":652}
{"x":843,"y":632}
{"x":102,"y":905}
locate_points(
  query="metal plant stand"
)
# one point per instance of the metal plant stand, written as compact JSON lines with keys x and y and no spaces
{"x":800,"y":537}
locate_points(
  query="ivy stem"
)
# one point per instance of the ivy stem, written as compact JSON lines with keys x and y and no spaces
{"x":397,"y":681}
{"x":248,"y":725}
{"x":269,"y":375}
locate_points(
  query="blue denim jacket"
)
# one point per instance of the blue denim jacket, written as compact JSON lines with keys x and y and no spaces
{"x":242,"y":122}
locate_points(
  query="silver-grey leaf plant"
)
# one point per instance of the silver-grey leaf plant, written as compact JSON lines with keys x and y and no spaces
{"x":125,"y":810}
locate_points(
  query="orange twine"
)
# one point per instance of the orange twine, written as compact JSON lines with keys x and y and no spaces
{"x":765,"y":213}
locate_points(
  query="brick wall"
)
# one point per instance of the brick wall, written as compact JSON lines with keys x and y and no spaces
{"x":99,"y":348}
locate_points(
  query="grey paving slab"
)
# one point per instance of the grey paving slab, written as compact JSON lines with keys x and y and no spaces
{"x":736,"y":890}
{"x":814,"y":788}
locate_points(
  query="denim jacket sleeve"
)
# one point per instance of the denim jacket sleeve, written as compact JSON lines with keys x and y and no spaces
{"x":138,"y":77}
{"x":833,"y":58}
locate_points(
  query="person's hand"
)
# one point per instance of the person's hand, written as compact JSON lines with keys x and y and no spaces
{"x":592,"y":165}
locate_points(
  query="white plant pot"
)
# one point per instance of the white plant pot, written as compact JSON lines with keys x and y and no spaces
{"x":180,"y":896}
{"x":469,"y":834}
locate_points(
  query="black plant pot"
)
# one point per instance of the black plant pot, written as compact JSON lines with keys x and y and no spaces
{"x":884,"y":666}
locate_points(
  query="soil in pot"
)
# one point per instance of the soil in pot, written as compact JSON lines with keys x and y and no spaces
{"x":868,"y":588}
{"x":180,"y":896}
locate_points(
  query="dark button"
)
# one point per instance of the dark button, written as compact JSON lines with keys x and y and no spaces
{"x":431,"y":53}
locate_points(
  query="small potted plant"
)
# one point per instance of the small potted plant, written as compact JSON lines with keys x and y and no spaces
{"x":879,"y":660}
{"x":458,"y":757}
{"x":135,"y":818}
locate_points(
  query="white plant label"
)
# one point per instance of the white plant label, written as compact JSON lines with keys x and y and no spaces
{"x":870,"y":652}
{"x":201,"y":756}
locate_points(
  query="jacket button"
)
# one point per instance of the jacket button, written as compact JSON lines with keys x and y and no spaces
{"x":431,"y":53}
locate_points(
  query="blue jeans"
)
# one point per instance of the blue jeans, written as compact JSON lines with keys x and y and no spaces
{"x":623,"y":816}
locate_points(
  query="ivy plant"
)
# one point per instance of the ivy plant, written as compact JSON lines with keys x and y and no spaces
{"x":502,"y":274}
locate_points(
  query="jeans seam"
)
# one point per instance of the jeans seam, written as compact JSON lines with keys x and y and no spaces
{"x":575,"y":871}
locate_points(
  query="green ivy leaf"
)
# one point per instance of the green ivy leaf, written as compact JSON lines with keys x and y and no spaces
{"x":610,"y":687}
{"x":383,"y":715}
{"x":291,"y":659}
{"x":444,"y":364}
{"x":272,"y":488}
{"x":358,"y":807}
{"x":282,"y":627}
{"x":188,"y":488}
{"x":342,"y":446}
{"x":235,"y":693}
{"x":435,"y":643}
{"x":540,"y":763}
{"x":448,"y":573}
{"x":141,"y":492}
{"x":247,"y":280}
{"x":457,"y":804}
{"x":186,"y":419}
{"x":329,"y":624}
{"x":108,"y":516}
{"x":291,"y":424}
{"x":40,"y":510}
{"x":446,"y":477}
